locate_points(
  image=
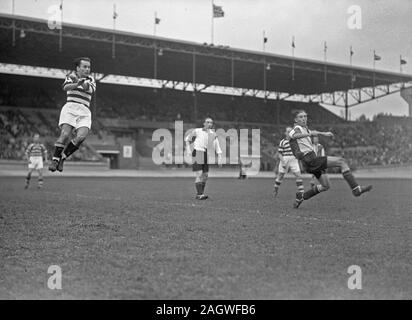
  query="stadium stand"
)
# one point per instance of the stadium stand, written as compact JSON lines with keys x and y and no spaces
{"x":31,"y":104}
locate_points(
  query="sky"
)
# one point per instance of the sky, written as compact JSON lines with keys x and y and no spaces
{"x":385,"y":27}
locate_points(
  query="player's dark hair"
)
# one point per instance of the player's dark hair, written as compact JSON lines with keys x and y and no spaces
{"x":77,"y":61}
{"x":296,"y":112}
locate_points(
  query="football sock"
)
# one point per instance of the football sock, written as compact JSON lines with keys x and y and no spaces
{"x":28,"y":177}
{"x":58,"y":149}
{"x":203,"y":187}
{"x":69,"y":150}
{"x":299,"y":184}
{"x":350,"y":179}
{"x":311,"y":193}
{"x":40,"y":182}
{"x":199,"y":188}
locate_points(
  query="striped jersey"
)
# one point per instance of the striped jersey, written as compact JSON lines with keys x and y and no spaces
{"x":284,"y":148}
{"x":36,"y":150}
{"x":79,"y":95}
{"x":300,"y":146}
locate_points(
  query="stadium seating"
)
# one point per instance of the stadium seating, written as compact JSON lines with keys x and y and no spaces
{"x":32,"y":105}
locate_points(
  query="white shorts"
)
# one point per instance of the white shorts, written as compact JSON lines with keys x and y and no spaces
{"x":76,"y":115}
{"x":36,"y":163}
{"x":292,"y":164}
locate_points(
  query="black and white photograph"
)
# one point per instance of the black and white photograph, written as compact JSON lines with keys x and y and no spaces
{"x":181,"y":151}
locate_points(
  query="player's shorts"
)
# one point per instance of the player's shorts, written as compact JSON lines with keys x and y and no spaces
{"x":76,"y":115}
{"x":36,"y":163}
{"x":292,"y":164}
{"x":315,"y":165}
{"x":200,"y":161}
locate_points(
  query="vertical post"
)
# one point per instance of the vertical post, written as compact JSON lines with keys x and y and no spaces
{"x":278,"y":111}
{"x":264,"y":41}
{"x":346,"y":106}
{"x":194,"y":86}
{"x":232,"y":72}
{"x":293,"y":58}
{"x":154,"y":59}
{"x":213,"y":9}
{"x":400,"y":64}
{"x":13,"y":24}
{"x":325,"y":58}
{"x":61,"y":27}
{"x":264,"y":78}
{"x":114,"y":29}
{"x":155,"y":23}
{"x":373,"y":88}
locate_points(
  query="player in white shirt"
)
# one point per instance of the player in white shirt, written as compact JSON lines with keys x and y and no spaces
{"x":287,"y":162}
{"x":204,"y":140}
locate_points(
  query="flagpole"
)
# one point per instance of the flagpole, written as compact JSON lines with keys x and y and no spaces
{"x":264,"y":42}
{"x":154,"y":27}
{"x":212,"y":21}
{"x":155,"y":49}
{"x":14,"y":24}
{"x":350,"y":62}
{"x":61,"y":27}
{"x":374,"y":55}
{"x":325,"y":58}
{"x":400,"y":63}
{"x":293,"y":57}
{"x":114,"y":29}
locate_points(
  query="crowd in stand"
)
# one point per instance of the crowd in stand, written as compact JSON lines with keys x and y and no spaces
{"x":16,"y":133}
{"x":362,"y":143}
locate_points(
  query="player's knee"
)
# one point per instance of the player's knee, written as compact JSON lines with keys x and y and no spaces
{"x":343,"y":164}
{"x":204,"y":176}
{"x":78,"y":140}
{"x":323,"y":187}
{"x":64,"y":135}
{"x":297,"y":175}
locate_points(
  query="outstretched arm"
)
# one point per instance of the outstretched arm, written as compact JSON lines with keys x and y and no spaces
{"x":298,"y":134}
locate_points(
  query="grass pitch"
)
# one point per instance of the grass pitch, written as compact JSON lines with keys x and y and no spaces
{"x":146,"y":238}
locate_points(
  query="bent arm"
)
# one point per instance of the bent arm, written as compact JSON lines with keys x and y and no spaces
{"x":217,"y":146}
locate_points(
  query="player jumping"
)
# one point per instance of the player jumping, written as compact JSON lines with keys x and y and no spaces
{"x":204,"y":138}
{"x":36,"y":152}
{"x":75,"y":114}
{"x":303,"y":150}
{"x":287,"y":162}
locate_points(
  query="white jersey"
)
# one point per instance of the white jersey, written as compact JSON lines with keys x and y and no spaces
{"x":204,"y":140}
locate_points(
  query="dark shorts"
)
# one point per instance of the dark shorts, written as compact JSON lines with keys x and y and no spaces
{"x":315,"y":165}
{"x":200,"y":161}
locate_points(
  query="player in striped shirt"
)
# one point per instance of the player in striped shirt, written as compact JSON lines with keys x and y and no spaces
{"x":36,"y":153}
{"x":75,"y":116}
{"x":205,"y":141}
{"x":287,"y":162}
{"x":303,"y":150}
